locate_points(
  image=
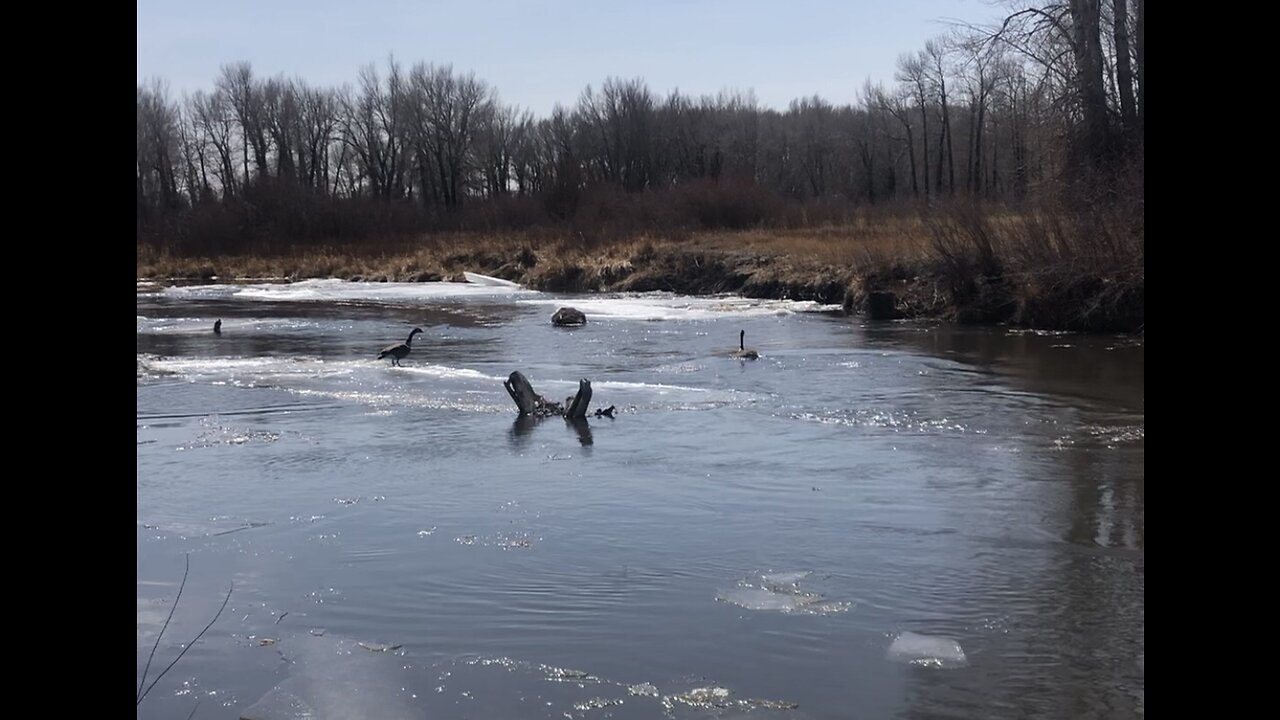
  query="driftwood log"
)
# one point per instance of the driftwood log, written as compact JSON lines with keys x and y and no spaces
{"x":529,"y":402}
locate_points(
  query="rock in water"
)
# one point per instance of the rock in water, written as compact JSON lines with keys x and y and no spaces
{"x":568,"y":317}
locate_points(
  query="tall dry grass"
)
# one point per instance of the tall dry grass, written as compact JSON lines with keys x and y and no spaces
{"x":1051,"y":265}
{"x":1070,"y":267}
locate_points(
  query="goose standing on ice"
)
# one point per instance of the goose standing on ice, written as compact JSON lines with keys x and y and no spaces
{"x":743,"y":352}
{"x":399,"y":351}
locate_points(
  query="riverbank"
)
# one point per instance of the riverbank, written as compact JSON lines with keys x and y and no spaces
{"x":975,"y":269}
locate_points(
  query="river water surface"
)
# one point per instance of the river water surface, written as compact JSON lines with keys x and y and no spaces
{"x":871,"y":520}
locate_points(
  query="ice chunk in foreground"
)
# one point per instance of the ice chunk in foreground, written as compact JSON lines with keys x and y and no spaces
{"x":927,"y":651}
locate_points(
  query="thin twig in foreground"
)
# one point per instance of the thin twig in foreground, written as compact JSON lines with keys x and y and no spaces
{"x":147,"y":667}
{"x":188,"y":645}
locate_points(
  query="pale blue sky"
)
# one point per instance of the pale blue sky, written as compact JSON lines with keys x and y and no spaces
{"x":538,"y":53}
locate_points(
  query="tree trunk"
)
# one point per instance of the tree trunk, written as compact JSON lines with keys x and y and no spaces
{"x":1141,"y":72}
{"x":1087,"y":47}
{"x":972,"y":165}
{"x":924,"y":140}
{"x":993,"y":187}
{"x":977,"y":140}
{"x":869,"y":166}
{"x":951,"y":156}
{"x":911,"y":157}
{"x":942,"y":147}
{"x":1124,"y":71}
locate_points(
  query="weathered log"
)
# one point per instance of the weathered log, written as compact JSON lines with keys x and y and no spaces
{"x":568,"y":317}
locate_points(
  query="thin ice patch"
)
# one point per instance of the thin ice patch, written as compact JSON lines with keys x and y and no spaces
{"x":780,"y":592}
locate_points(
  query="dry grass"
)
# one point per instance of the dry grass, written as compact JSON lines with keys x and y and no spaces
{"x":866,"y":241}
{"x":1046,"y":266}
{"x":1050,"y":267}
{"x":859,"y":245}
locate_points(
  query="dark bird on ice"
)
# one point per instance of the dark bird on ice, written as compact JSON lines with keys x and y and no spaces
{"x":399,"y":351}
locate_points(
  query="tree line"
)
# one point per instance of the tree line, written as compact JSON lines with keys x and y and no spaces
{"x":1050,"y":98}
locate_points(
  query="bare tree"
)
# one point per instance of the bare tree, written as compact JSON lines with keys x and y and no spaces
{"x":935,"y":57}
{"x":158,"y":145}
{"x":532,"y":155}
{"x":195,"y":147}
{"x":215,"y":118}
{"x":813,"y":115}
{"x":497,"y":147}
{"x":374,"y":131}
{"x":446,"y":111}
{"x":895,"y":104}
{"x":981,"y":62}
{"x":911,"y":71}
{"x":318,"y":127}
{"x":1124,"y":69}
{"x":245,"y":96}
{"x":281,"y":118}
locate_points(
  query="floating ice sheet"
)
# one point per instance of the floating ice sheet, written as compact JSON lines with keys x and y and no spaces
{"x":926,"y":651}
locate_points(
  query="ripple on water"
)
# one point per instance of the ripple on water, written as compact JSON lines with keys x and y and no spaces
{"x":905,"y":421}
{"x":503,"y":540}
{"x":578,"y":693}
{"x":1111,"y":437}
{"x":213,"y":433}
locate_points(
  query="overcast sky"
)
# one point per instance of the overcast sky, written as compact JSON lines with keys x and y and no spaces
{"x":540,"y":53}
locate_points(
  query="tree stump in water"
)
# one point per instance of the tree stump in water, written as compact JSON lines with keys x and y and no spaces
{"x":529,"y":402}
{"x":576,"y":406}
{"x":568,"y":317}
{"x":526,"y":399}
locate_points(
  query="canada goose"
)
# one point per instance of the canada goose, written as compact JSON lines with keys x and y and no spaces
{"x":399,"y":351}
{"x":217,"y":327}
{"x":744,"y":352}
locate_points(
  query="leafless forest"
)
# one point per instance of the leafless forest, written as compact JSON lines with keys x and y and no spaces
{"x":1051,"y":98}
{"x":1038,"y":117}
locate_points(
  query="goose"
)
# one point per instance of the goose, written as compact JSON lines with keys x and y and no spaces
{"x":399,"y":351}
{"x":743,"y":352}
{"x":217,"y":327}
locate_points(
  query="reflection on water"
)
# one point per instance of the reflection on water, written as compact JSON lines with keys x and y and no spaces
{"x":523,"y":427}
{"x":823,"y":533}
